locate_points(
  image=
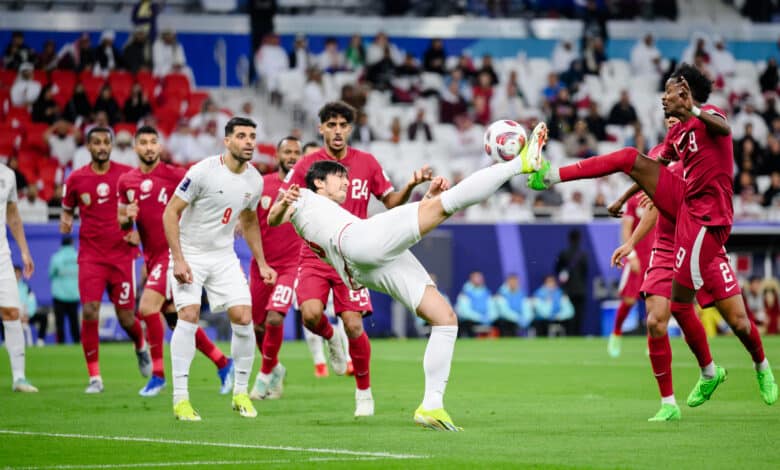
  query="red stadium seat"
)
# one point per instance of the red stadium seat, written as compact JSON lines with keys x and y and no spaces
{"x":10,"y":139}
{"x":125,"y":126}
{"x":65,"y":80}
{"x":195,"y":102}
{"x":17,"y":117}
{"x":5,"y":102}
{"x":7,"y":78}
{"x":28,"y":163}
{"x":148,"y":83}
{"x":41,"y":76}
{"x":34,"y":137}
{"x":92,"y":85}
{"x":122,"y":85}
{"x":176,"y":84}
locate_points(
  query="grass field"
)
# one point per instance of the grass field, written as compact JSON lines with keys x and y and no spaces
{"x":522,"y":403}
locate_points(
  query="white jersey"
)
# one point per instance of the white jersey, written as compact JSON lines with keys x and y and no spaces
{"x":7,"y":194}
{"x":216,"y":196}
{"x":319,"y":221}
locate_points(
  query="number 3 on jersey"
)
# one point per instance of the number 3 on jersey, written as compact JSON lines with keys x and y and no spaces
{"x":226,"y":215}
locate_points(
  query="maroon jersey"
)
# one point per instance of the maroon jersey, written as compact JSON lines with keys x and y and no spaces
{"x":708,"y":162}
{"x":151,"y":191}
{"x":281,"y":244}
{"x":664,"y":227}
{"x":366,"y":177}
{"x":644,"y":246}
{"x":100,"y":238}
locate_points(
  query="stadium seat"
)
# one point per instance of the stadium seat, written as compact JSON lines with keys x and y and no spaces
{"x":195,"y":102}
{"x":176,"y":85}
{"x":28,"y":163}
{"x":7,"y":78}
{"x":92,"y":85}
{"x":121,"y":85}
{"x":148,"y":83}
{"x":18,"y":116}
{"x":34,"y":137}
{"x":10,"y":138}
{"x":125,"y":126}
{"x":41,"y":76}
{"x":65,"y":81}
{"x":5,"y":102}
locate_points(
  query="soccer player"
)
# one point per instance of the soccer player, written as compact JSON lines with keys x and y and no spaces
{"x":702,"y":141}
{"x":106,"y":252}
{"x":143,"y":195}
{"x":200,"y":220}
{"x":375,"y":252}
{"x":9,"y":290}
{"x":633,"y":271}
{"x":316,"y":278}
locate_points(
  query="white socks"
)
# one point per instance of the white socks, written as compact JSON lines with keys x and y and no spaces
{"x":339,"y":330}
{"x":668,"y":400}
{"x":479,"y":186}
{"x":14,"y":343}
{"x":436,"y":363}
{"x":182,"y":353}
{"x":315,"y":344}
{"x":762,"y":366}
{"x":708,"y":371}
{"x":242,"y":348}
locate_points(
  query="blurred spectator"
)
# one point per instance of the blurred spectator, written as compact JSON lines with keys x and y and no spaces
{"x":434,"y":58}
{"x":122,"y":150}
{"x":513,"y":308}
{"x":62,"y":137}
{"x":106,"y":103}
{"x":773,"y":191}
{"x":580,"y":143}
{"x":45,"y":109}
{"x":574,"y":76}
{"x":353,"y":96}
{"x":487,"y":67}
{"x":380,"y":73}
{"x":562,"y":56}
{"x":753,"y":296}
{"x":594,"y":56}
{"x":464,"y":84}
{"x":486,"y":212}
{"x":137,"y":54}
{"x":406,"y":81}
{"x":645,"y":57}
{"x":562,"y":115}
{"x":209,"y":112}
{"x":33,"y":209}
{"x":17,"y":52}
{"x":483,"y":93}
{"x":748,"y":115}
{"x":300,"y":58}
{"x":772,"y":156}
{"x":518,"y":209}
{"x":355,"y":54}
{"x":55,"y":203}
{"x":331,"y":59}
{"x":469,"y":139}
{"x":551,"y":306}
{"x":25,"y":90}
{"x":208,"y":142}
{"x":745,"y":179}
{"x":550,"y":91}
{"x":770,"y":109}
{"x":508,"y":100}
{"x":47,"y":59}
{"x":107,"y":56}
{"x":419,"y":127}
{"x":597,"y":125}
{"x":699,"y":45}
{"x":474,"y":305}
{"x":623,"y":112}
{"x":21,"y":181}
{"x":64,"y":277}
{"x":248,"y":110}
{"x":168,"y":56}
{"x":771,"y":307}
{"x":137,"y":105}
{"x":181,"y":144}
{"x":381,"y":49}
{"x":571,"y":267}
{"x":747,"y":154}
{"x":575,"y":209}
{"x":78,"y":107}
{"x":769,"y":78}
{"x":363,"y":132}
{"x":466,"y":67}
{"x":76,"y":55}
{"x":451,"y":103}
{"x":722,"y":61}
{"x":144,"y":17}
{"x":747,"y":204}
{"x":594,"y":23}
{"x":395,"y":134}
{"x":313,"y":94}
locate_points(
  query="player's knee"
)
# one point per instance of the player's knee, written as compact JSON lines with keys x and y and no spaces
{"x":126,"y":318}
{"x":91,"y":311}
{"x":655,"y":326}
{"x":259,"y":330}
{"x":741,"y":324}
{"x":353,"y":326}
{"x":274,"y":318}
{"x":243,"y":331}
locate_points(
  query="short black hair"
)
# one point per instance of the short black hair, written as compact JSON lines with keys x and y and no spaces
{"x":337,"y":109}
{"x":289,"y":137}
{"x":321,"y":169}
{"x":574,"y":237}
{"x":67,"y":240}
{"x":309,"y":145}
{"x":701,"y":86}
{"x":97,"y":129}
{"x":146,"y":130}
{"x":238,"y":121}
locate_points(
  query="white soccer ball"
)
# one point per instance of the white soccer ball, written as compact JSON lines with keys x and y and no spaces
{"x":504,"y":140}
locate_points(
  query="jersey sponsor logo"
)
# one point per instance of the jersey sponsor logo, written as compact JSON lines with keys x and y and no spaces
{"x":265,"y":202}
{"x":185,"y":184}
{"x":86,"y":199}
{"x":146,"y":185}
{"x":102,"y":190}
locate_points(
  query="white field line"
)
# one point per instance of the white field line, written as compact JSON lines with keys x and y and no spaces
{"x":233,"y":445}
{"x":197,"y":463}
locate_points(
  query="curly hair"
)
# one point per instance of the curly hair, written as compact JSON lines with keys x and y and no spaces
{"x":337,"y":109}
{"x":701,"y":86}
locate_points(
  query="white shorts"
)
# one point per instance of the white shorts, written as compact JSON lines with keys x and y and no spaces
{"x":376,"y":251}
{"x":222,"y":277}
{"x":9,"y":289}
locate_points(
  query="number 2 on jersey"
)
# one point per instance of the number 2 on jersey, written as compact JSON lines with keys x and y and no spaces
{"x":226,"y":215}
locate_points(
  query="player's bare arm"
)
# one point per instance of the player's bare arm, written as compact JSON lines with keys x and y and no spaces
{"x":66,"y":221}
{"x":127,"y":215}
{"x":14,"y":221}
{"x":397,"y":198}
{"x":616,"y":208}
{"x":283,"y":209}
{"x":171,"y":215}
{"x":438,"y":185}
{"x":687,"y":109}
{"x":646,"y":224}
{"x":251,"y":230}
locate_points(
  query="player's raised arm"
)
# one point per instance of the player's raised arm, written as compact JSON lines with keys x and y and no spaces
{"x":714,"y":122}
{"x":616,"y":208}
{"x":17,"y":230}
{"x":171,"y":215}
{"x":251,"y":230}
{"x":283,"y":208}
{"x":397,"y":198}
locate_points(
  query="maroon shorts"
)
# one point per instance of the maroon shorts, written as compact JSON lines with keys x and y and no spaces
{"x":669,"y":192}
{"x":658,"y":278}
{"x":277,"y":297}
{"x":630,"y":282}
{"x":315,"y":282}
{"x":118,"y":279}
{"x":157,"y":274}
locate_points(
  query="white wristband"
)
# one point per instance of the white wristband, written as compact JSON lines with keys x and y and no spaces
{"x":696,"y":111}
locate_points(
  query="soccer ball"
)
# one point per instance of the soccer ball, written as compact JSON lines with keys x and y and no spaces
{"x":504,"y":140}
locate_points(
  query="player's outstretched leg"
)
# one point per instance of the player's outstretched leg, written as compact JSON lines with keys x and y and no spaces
{"x":224,"y":364}
{"x":14,"y":344}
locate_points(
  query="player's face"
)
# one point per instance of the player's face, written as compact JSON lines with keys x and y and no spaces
{"x":99,"y":146}
{"x":671,"y":100}
{"x":288,"y":154}
{"x":335,"y":187}
{"x":335,"y":132}
{"x":147,"y":146}
{"x":241,"y":143}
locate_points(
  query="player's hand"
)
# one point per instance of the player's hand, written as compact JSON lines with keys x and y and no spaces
{"x":268,"y":274}
{"x":132,"y":210}
{"x":66,"y":223}
{"x":438,"y":185}
{"x":132,"y":238}
{"x":420,"y":176}
{"x":620,"y":254}
{"x":28,"y":267}
{"x":684,"y":92}
{"x":182,"y":272}
{"x":645,"y":202}
{"x":292,"y":194}
{"x":616,"y":209}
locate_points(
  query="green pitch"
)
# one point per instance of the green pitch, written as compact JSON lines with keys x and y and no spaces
{"x":522,"y":403}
